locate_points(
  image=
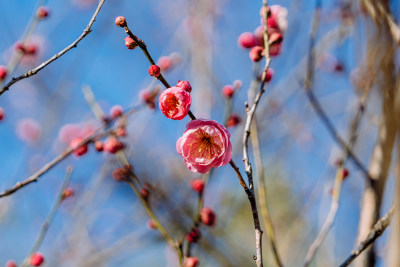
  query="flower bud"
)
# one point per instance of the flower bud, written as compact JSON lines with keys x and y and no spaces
{"x":116,"y":111}
{"x":207,"y":216}
{"x":185,"y":85}
{"x":68,"y":192}
{"x":120,"y":21}
{"x":42,"y":12}
{"x":247,"y":40}
{"x":197,"y":185}
{"x":79,"y":150}
{"x":256,"y":53}
{"x":154,"y":70}
{"x":11,"y":263}
{"x":112,"y":145}
{"x":1,"y":114}
{"x":3,"y":72}
{"x":98,"y":145}
{"x":191,"y":262}
{"x":228,"y":91}
{"x":233,"y":120}
{"x":121,"y":174}
{"x":194,"y":235}
{"x":130,"y":43}
{"x":36,"y":259}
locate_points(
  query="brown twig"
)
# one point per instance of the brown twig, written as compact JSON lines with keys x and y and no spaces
{"x":58,"y":55}
{"x":50,"y":217}
{"x":375,"y":232}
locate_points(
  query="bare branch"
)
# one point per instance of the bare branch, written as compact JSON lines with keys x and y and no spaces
{"x":375,"y":232}
{"x":58,"y":55}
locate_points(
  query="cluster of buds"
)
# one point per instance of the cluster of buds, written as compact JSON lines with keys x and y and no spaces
{"x":26,"y":49}
{"x":276,"y":27}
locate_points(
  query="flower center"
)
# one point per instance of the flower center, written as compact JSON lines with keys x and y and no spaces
{"x":205,"y":146}
{"x":172,"y":101}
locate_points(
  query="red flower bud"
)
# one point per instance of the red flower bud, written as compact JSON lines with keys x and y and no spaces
{"x":154,"y":70}
{"x":151,"y":224}
{"x":207,"y":216}
{"x":98,"y":145}
{"x":112,"y":145}
{"x":80,"y":150}
{"x":185,"y":85}
{"x":256,"y":53}
{"x":11,"y":263}
{"x":228,"y":91}
{"x":194,"y":235}
{"x":233,"y":120}
{"x":247,"y":40}
{"x":116,"y":111}
{"x":1,"y":114}
{"x":36,"y":259}
{"x":120,"y":21}
{"x":42,"y":12}
{"x":191,"y":262}
{"x":68,"y":192}
{"x":130,"y":43}
{"x":3,"y":72}
{"x":197,"y":185}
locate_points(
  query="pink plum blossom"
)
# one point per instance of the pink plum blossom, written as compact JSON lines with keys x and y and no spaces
{"x":175,"y":103}
{"x":205,"y":144}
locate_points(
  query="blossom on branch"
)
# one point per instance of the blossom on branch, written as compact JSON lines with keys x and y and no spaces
{"x":175,"y":103}
{"x":205,"y":144}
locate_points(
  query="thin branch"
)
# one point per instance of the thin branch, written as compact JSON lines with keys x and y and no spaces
{"x":50,"y":217}
{"x":58,"y":55}
{"x":375,"y":232}
{"x":262,"y":195}
{"x":35,"y":177}
{"x":143,"y":47}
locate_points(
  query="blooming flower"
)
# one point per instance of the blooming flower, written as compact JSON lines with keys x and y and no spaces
{"x":205,"y":144}
{"x":175,"y":103}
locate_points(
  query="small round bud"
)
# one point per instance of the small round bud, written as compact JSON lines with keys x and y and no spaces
{"x":154,"y":70}
{"x":185,"y":85}
{"x":191,"y":262}
{"x":256,"y":53}
{"x":36,"y":259}
{"x":116,"y":111}
{"x":120,"y":21}
{"x":121,"y":174}
{"x":228,"y":91}
{"x":194,"y":235}
{"x":233,"y":120}
{"x":42,"y":12}
{"x":151,"y":224}
{"x":79,"y":150}
{"x":11,"y":263}
{"x":247,"y":40}
{"x":207,"y":216}
{"x":68,"y":192}
{"x":98,"y":145}
{"x":112,"y":145}
{"x":197,"y":185}
{"x":3,"y":72}
{"x":130,"y":43}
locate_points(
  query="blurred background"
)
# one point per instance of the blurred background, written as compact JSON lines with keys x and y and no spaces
{"x":103,"y":223}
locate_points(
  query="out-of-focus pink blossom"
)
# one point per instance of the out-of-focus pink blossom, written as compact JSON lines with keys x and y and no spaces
{"x":191,"y":262}
{"x":247,"y":40}
{"x":68,"y":132}
{"x":279,"y":14}
{"x":175,"y":103}
{"x":205,"y":144}
{"x":165,"y":63}
{"x":28,"y":130}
